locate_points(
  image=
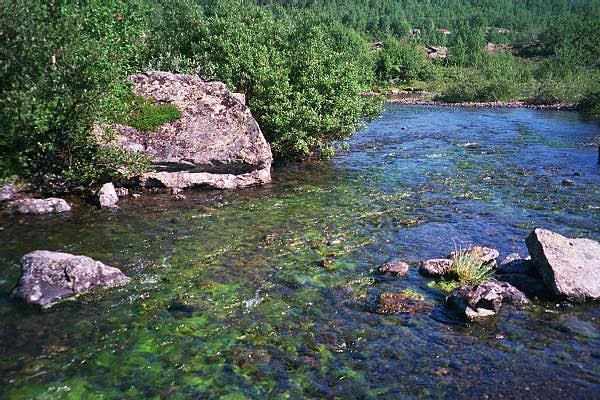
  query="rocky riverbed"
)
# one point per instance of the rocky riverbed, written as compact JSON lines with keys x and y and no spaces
{"x":276,"y":291}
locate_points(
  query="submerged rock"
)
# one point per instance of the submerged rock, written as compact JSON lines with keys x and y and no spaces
{"x":38,"y":206}
{"x":396,"y":267}
{"x":107,"y":196}
{"x":436,"y":267}
{"x":215,"y":143}
{"x":569,"y":267}
{"x":122,"y":192}
{"x":48,"y":277}
{"x":484,"y":300}
{"x":568,"y":182}
{"x":533,"y":287}
{"x":392,"y":303}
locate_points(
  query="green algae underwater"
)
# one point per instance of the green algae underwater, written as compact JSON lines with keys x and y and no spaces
{"x":271,"y":292}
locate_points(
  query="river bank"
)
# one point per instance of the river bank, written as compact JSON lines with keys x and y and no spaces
{"x":415,"y":101}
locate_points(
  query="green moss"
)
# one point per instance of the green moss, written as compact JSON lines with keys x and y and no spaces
{"x":147,"y":115}
{"x":444,"y":286}
{"x":412,"y":294}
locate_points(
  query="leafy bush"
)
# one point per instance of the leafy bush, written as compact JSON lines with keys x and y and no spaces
{"x":62,"y":70}
{"x":465,"y":85}
{"x":549,"y":91}
{"x":402,"y":62}
{"x":590,"y":102}
{"x":303,"y":78}
{"x":494,"y":77}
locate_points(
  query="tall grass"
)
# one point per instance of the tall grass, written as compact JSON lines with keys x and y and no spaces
{"x":468,"y":269}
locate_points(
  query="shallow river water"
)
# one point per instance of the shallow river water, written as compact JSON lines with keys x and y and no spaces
{"x":269,"y":292}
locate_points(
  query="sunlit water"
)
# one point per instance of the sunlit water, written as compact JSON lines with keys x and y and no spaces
{"x":269,"y":292}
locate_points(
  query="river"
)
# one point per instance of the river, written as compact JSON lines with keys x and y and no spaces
{"x":269,"y":292}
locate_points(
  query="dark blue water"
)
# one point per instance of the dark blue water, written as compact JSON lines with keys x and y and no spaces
{"x":269,"y":292}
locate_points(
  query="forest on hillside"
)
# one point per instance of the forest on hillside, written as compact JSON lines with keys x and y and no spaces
{"x":303,"y":66}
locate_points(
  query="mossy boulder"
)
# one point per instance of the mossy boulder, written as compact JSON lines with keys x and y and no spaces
{"x":206,"y":135}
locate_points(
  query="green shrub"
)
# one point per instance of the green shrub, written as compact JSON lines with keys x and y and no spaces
{"x":62,"y":69}
{"x":402,"y":62}
{"x":303,"y":78}
{"x":465,"y":85}
{"x":494,"y":77}
{"x":547,"y":92}
{"x":590,"y":103}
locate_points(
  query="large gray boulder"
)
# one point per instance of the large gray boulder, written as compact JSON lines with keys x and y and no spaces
{"x":48,"y":277}
{"x":37,"y":206}
{"x":216,"y":142}
{"x":569,"y":267}
{"x":484,"y":300}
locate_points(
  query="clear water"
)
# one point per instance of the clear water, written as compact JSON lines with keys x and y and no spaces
{"x":269,"y":292}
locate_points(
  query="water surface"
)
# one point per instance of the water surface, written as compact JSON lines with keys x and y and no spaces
{"x":269,"y":292}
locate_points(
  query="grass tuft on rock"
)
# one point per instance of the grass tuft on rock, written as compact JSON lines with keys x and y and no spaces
{"x":469,"y":269}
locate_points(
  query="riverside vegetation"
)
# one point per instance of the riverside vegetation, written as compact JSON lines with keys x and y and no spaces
{"x":302,"y":66}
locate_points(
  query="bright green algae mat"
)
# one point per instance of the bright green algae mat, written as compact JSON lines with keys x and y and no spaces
{"x":270,"y":292}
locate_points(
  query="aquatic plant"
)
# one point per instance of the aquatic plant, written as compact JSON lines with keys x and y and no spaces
{"x":410,"y":293}
{"x":443,"y":285}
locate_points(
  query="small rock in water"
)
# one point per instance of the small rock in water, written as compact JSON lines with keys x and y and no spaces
{"x":436,"y":267}
{"x":270,"y":237}
{"x":48,"y":277}
{"x":484,"y":300}
{"x":568,"y":267}
{"x":107,"y":196}
{"x":533,"y":287}
{"x":122,"y":192}
{"x":568,"y":182}
{"x":7,"y":192}
{"x":38,"y":206}
{"x":392,"y":303}
{"x":397,"y":268}
{"x":136,"y":195}
{"x":510,"y":257}
{"x":514,"y":264}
